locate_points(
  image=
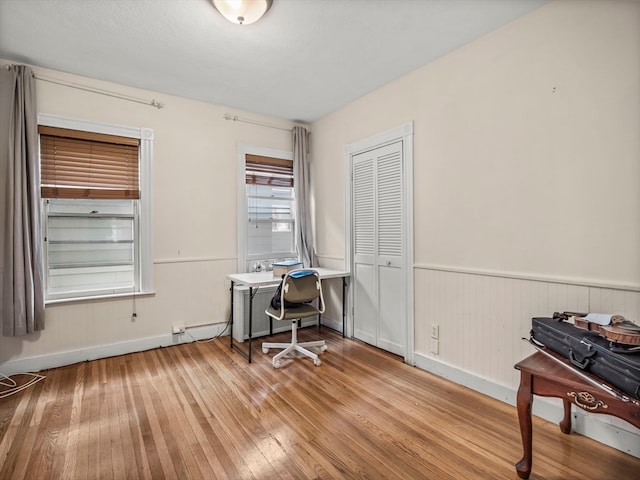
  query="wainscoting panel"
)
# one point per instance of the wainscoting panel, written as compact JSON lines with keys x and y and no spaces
{"x":481,"y":318}
{"x":622,"y":302}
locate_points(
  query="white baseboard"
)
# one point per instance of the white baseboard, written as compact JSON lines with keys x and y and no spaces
{"x":582,"y":423}
{"x":332,"y":323}
{"x":54,"y":360}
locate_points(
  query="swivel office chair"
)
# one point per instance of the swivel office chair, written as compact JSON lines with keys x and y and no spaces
{"x":299,"y":288}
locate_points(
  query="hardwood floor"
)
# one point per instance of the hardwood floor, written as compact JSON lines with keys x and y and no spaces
{"x":200,"y":411}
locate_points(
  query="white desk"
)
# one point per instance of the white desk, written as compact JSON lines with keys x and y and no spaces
{"x":256,"y":280}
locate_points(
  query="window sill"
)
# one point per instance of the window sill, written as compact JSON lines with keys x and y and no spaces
{"x":115,"y":296}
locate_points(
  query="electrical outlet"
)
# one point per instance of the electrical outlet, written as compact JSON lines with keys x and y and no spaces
{"x":178,"y":328}
{"x":435,"y":332}
{"x":434,"y":346}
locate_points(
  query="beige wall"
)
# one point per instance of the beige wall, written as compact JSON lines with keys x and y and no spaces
{"x":526,"y":182}
{"x":526,"y":147}
{"x":194,"y":220}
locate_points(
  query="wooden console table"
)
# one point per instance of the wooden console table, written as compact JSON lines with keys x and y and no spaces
{"x":544,"y":376}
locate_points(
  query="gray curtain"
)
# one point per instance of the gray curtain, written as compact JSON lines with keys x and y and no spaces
{"x":301,"y":188}
{"x":22,"y":277}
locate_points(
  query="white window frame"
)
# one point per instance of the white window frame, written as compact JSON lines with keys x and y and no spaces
{"x":144,"y":252}
{"x":242,"y":214}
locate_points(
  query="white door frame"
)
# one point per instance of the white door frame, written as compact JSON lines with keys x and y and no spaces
{"x":403,"y":133}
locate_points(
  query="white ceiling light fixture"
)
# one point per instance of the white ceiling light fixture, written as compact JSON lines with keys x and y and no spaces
{"x":242,"y":12}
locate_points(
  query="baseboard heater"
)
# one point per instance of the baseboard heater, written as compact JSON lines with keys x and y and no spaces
{"x":261,"y":301}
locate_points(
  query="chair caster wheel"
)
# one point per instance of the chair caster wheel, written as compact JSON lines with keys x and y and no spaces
{"x":317,"y":362}
{"x":276,"y":364}
{"x":265,"y":350}
{"x":323,"y":348}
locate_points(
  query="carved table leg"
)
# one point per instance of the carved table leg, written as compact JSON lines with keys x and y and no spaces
{"x":524,"y":401}
{"x":565,"y":424}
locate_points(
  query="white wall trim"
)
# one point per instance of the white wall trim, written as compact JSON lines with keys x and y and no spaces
{"x":582,"y":423}
{"x":97,"y":298}
{"x":97,"y":127}
{"x":60,"y":359}
{"x":331,"y":257}
{"x":161,"y":261}
{"x":332,"y":322}
{"x":581,"y":282}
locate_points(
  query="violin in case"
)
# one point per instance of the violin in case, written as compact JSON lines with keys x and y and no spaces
{"x":611,"y":352}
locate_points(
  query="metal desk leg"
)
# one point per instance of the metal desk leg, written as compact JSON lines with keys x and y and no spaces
{"x":246,"y":355}
{"x":344,"y":315}
{"x":252,"y":294}
{"x":231,"y":327}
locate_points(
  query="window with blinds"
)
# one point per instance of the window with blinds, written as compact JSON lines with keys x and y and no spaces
{"x":90,"y":189}
{"x":76,"y":164}
{"x":270,"y":207}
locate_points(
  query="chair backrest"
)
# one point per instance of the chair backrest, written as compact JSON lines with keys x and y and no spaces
{"x":302,"y":286}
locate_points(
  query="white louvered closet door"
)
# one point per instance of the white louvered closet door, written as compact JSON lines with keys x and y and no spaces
{"x":379,"y":279}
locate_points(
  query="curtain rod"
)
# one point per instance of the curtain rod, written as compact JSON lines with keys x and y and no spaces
{"x":151,"y":103}
{"x":235,"y":118}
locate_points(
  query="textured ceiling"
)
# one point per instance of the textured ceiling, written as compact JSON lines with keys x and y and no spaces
{"x":302,"y":60}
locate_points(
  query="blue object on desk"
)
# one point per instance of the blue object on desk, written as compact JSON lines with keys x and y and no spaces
{"x":286,"y":263}
{"x":301,"y":273}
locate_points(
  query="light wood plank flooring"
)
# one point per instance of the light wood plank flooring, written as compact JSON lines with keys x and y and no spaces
{"x":199,"y":411}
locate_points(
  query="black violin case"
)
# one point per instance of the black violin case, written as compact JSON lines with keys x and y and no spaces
{"x":590,"y":352}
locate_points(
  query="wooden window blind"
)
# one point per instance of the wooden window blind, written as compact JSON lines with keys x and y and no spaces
{"x":271,"y":171}
{"x":78,"y":164}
